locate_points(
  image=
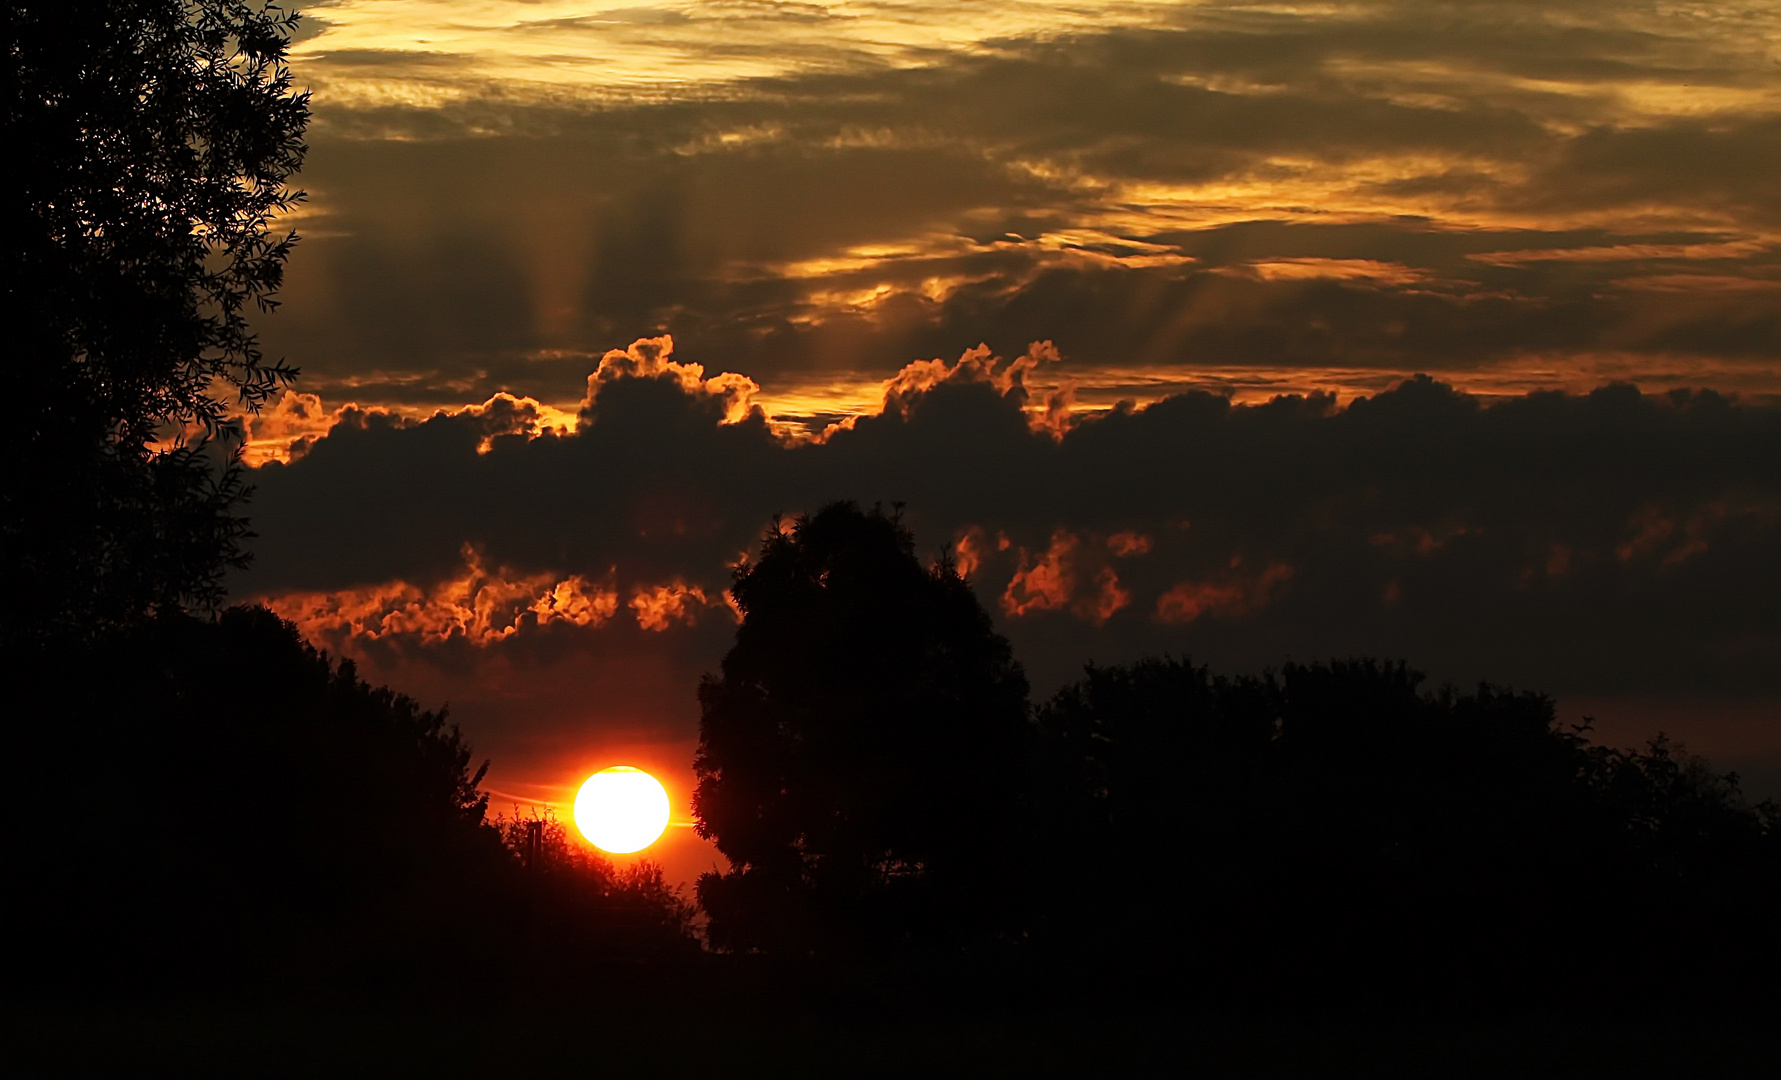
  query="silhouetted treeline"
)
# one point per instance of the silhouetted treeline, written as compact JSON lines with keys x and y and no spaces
{"x":215,"y":802}
{"x":1322,"y":836}
{"x":211,"y":802}
{"x":1332,"y":832}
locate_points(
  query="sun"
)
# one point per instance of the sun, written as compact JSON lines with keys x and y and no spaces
{"x":621,"y":809}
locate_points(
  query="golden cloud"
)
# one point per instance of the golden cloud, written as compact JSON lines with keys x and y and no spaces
{"x":653,"y":358}
{"x":982,"y":365}
{"x":295,"y":421}
{"x":1362,"y":270}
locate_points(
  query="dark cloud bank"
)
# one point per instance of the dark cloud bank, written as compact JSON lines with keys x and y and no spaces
{"x":1610,"y":547}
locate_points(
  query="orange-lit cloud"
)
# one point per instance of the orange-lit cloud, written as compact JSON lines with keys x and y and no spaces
{"x":1108,"y":597}
{"x":1372,"y":526}
{"x":969,"y":551}
{"x":483,"y":606}
{"x":1046,"y":582}
{"x":980,"y":365}
{"x":1375,"y":514}
{"x":975,"y":365}
{"x":658,"y":607}
{"x":1232,"y":595}
{"x":480,"y":606}
{"x":1672,"y":538}
{"x":730,"y":604}
{"x":575,"y":602}
{"x":293,"y":423}
{"x":504,"y":414}
{"x":287,"y":428}
{"x":648,"y":358}
{"x":439,"y":53}
{"x":1123,"y":544}
{"x":1737,"y":249}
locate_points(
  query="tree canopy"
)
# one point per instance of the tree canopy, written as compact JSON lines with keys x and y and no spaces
{"x":259,"y":804}
{"x":1333,"y":832}
{"x":861,"y":755}
{"x":216,"y":802}
{"x":150,"y":146}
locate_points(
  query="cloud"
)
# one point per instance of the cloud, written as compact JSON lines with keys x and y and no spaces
{"x":479,"y":607}
{"x":651,"y":358}
{"x":1230,"y":595}
{"x":1070,"y":575}
{"x":1202,"y":207}
{"x":1609,"y":540}
{"x":1044,"y":583}
{"x":287,"y":427}
{"x":1129,"y":543}
{"x":969,"y":551}
{"x":1353,"y":187}
{"x":662,"y":606}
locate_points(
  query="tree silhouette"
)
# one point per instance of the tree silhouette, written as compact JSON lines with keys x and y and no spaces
{"x":210,"y":801}
{"x":151,"y":142}
{"x":861,"y":755}
{"x":581,"y":903}
{"x":216,"y":802}
{"x":261,"y":807}
{"x":1333,"y":834}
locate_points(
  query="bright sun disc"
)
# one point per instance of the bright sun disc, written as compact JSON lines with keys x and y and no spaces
{"x":621,"y":809}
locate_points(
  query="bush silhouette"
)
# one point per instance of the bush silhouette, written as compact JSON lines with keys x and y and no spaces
{"x":862,"y":753}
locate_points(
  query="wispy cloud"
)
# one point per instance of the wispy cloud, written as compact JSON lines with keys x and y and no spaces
{"x":806,"y":192}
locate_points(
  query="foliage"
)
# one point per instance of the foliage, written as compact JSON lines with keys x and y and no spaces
{"x":1333,"y":832}
{"x":260,"y":806}
{"x":152,"y":144}
{"x":861,"y":756}
{"x":586,"y":901}
{"x":270,"y":816}
{"x":1322,"y":835}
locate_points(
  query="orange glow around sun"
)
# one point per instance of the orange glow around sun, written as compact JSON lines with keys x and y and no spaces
{"x":621,"y":810}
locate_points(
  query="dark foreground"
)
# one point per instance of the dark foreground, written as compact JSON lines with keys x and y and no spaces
{"x":509,"y":1031}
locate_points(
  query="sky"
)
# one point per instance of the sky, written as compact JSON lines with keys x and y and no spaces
{"x":1248,"y":332}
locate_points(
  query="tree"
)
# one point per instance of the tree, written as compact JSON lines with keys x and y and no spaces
{"x":149,"y":145}
{"x":582,"y":904}
{"x":1334,"y":833}
{"x":862,"y":753}
{"x":263,"y":809}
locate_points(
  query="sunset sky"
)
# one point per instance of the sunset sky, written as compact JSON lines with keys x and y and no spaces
{"x":587,"y":294}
